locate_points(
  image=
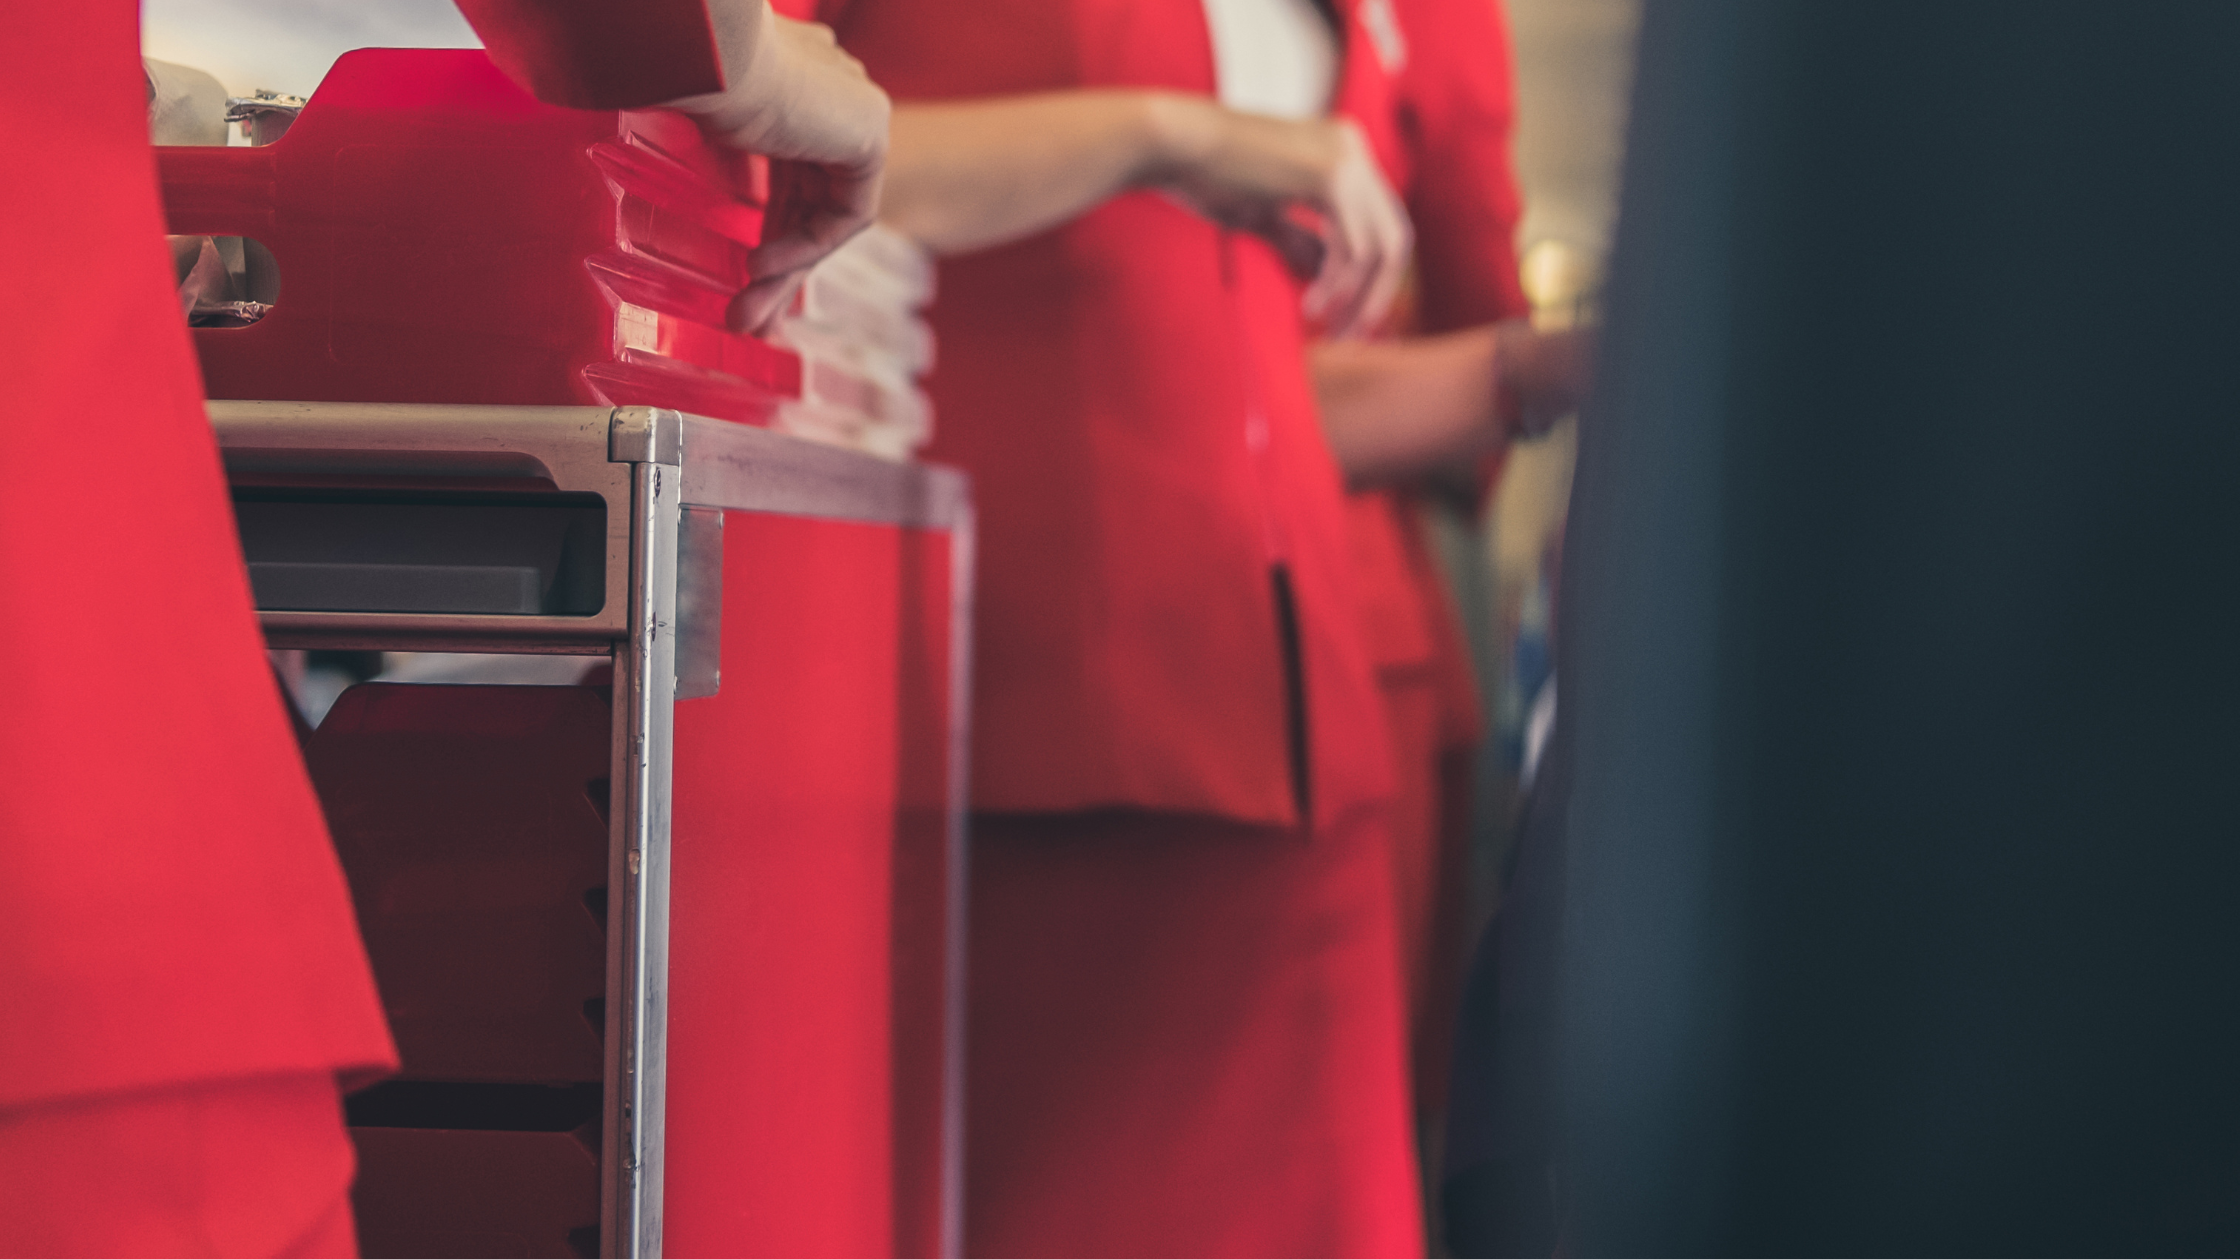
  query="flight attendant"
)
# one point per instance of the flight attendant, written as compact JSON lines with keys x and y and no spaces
{"x":1467,"y":374}
{"x":1186,"y":1025}
{"x":184,"y":986}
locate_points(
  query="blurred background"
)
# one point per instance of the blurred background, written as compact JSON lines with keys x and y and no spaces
{"x":286,"y":45}
{"x":1574,"y":75}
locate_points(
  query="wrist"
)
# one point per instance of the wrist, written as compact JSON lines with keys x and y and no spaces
{"x":741,"y":29}
{"x":753,"y":65}
{"x":1177,"y":134}
{"x":1511,"y":347}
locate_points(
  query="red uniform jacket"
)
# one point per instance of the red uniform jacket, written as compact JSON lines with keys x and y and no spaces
{"x":170,"y":909}
{"x":1129,"y":391}
{"x":1442,"y":128}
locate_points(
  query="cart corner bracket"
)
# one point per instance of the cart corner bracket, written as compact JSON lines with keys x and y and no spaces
{"x":645,"y":435}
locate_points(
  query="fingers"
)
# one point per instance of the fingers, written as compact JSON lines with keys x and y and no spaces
{"x":1337,"y":287}
{"x":1395,"y":242}
{"x":1368,"y":239}
{"x":1370,"y":242}
{"x":1390,"y":240}
{"x":813,"y":211}
{"x":759,"y":305}
{"x":807,"y":104}
{"x":1349,"y":244}
{"x":1305,"y":253}
{"x":1268,"y":176}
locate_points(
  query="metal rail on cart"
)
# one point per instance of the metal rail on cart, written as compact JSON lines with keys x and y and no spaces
{"x":655,"y":567}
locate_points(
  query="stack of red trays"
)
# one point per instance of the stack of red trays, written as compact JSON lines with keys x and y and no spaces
{"x":443,"y":237}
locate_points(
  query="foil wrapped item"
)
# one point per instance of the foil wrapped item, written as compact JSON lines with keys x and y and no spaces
{"x":264,"y":116}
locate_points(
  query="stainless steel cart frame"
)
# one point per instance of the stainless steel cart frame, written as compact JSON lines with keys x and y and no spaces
{"x":650,"y":467}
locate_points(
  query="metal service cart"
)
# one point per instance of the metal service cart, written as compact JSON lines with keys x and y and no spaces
{"x":733,"y":1026}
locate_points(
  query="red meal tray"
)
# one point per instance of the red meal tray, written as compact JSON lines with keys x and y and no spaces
{"x":442,"y":236}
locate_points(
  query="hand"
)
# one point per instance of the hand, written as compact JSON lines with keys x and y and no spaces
{"x":1257,"y":174}
{"x":1541,"y":376}
{"x":798,"y":99}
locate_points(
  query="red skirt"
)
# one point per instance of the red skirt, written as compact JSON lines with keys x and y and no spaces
{"x":1431,"y":873}
{"x":259,"y":1166}
{"x":1186,"y":1038}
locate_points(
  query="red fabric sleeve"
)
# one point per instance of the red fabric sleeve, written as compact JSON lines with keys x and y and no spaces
{"x":602,"y":54}
{"x":170,"y":908}
{"x":1456,"y":114}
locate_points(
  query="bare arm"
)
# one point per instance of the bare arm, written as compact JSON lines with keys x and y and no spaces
{"x":1394,"y":410}
{"x":973,"y":174}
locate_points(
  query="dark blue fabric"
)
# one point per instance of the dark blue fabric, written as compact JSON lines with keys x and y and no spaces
{"x":1900,"y":665}
{"x":1500,"y":1195}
